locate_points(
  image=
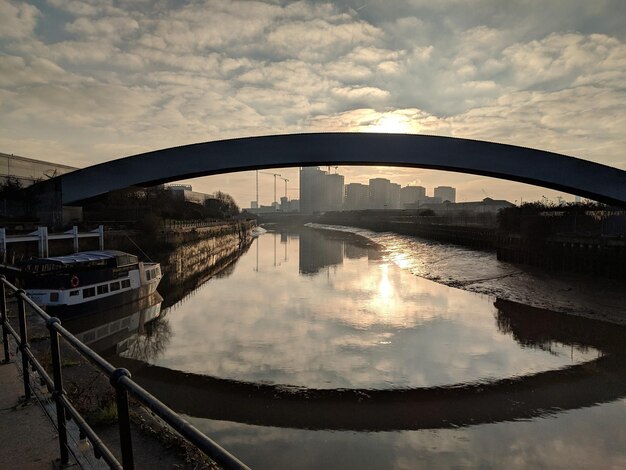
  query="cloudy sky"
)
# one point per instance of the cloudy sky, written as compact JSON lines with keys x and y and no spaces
{"x":85,"y":81}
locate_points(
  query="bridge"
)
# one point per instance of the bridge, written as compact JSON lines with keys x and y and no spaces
{"x":526,"y":165}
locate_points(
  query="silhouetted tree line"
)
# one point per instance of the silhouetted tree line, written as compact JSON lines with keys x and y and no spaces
{"x":14,"y":201}
{"x":537,"y":220}
{"x":145,"y":209}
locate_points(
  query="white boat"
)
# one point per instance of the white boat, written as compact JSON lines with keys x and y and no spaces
{"x":256,"y":231}
{"x":110,"y":277}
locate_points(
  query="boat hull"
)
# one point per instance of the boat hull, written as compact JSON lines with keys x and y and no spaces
{"x":112,"y":301}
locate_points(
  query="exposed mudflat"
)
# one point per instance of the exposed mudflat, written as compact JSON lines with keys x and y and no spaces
{"x":480,"y":272}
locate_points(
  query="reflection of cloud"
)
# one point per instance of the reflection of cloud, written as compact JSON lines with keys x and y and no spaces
{"x":359,"y":324}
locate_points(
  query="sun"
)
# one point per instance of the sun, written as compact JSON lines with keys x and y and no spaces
{"x":394,"y":124}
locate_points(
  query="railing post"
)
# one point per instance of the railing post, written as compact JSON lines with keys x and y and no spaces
{"x":21,"y":311}
{"x":123,"y":417}
{"x":4,"y":318}
{"x":3,"y":244}
{"x":75,"y":234}
{"x":55,"y":352}
{"x":101,"y":237}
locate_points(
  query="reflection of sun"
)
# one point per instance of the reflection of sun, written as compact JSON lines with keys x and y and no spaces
{"x":393,"y":123}
{"x":385,"y":300}
{"x":385,"y":289}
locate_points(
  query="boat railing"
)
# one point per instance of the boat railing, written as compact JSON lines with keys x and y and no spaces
{"x":119,"y":378}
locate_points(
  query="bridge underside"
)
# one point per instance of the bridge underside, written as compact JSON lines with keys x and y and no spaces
{"x":550,"y":170}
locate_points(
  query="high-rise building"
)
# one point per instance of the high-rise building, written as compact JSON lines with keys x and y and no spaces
{"x":379,"y":193}
{"x":356,"y":196}
{"x":384,"y":194}
{"x":411,"y":195}
{"x":320,"y":191}
{"x":332,"y":192}
{"x":311,"y":189}
{"x":394,"y":196}
{"x":446,"y":193}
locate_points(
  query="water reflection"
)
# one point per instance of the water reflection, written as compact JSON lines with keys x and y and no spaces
{"x":189,"y":266}
{"x":600,"y":380}
{"x":541,"y":328}
{"x":136,"y":328}
{"x":292,"y":357}
{"x":318,"y":252}
{"x":361,"y":323}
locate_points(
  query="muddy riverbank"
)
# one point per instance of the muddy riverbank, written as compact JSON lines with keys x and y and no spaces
{"x":481,"y":272}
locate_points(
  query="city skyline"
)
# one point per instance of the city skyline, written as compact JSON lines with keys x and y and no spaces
{"x":84,"y":82}
{"x":322,"y":191}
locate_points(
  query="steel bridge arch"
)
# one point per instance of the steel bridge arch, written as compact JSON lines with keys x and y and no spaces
{"x":526,"y":165}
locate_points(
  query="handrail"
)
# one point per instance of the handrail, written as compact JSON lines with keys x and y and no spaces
{"x":119,"y":378}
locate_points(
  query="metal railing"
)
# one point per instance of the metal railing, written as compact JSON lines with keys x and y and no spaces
{"x":191,"y":223}
{"x":119,"y":378}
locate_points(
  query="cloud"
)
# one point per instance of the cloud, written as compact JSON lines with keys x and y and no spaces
{"x":20,"y":72}
{"x":17,"y":19}
{"x":112,"y":28}
{"x":107,"y":76}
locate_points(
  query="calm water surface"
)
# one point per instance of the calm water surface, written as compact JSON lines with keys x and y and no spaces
{"x":317,"y":351}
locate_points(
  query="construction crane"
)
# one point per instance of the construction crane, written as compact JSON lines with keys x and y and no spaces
{"x":274,"y":175}
{"x":286,"y":181}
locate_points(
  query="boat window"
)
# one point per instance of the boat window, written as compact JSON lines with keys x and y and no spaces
{"x":126,"y":259}
{"x":148,"y":274}
{"x":89,"y":292}
{"x":114,"y":286}
{"x":104,"y":289}
{"x":125,"y":283}
{"x":74,"y":293}
{"x":54,"y":296}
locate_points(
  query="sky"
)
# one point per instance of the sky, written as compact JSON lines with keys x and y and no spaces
{"x":86,"y":81}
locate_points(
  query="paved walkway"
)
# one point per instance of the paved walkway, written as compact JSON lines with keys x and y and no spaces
{"x":27,"y":438}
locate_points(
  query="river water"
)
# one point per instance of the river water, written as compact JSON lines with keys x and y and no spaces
{"x":319,"y":349}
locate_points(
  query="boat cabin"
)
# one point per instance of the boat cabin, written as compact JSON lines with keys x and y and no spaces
{"x":78,"y":269}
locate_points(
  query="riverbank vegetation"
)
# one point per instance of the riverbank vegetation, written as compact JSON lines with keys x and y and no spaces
{"x":147,"y":208}
{"x":538,"y":220}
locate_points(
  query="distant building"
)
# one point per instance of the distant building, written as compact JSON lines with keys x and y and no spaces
{"x":356,"y":196}
{"x":384,"y":194}
{"x":427,"y":202}
{"x":333,"y":192}
{"x":487,"y":205}
{"x":379,"y":193}
{"x":394,"y":196}
{"x":178,"y":187}
{"x":320,"y":191}
{"x":411,"y":195}
{"x":446,"y":193}
{"x":184,"y":192}
{"x":27,"y":170}
{"x":311,"y":186}
{"x":287,"y":205}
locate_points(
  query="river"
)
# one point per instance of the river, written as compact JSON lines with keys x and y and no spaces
{"x":324,"y":349}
